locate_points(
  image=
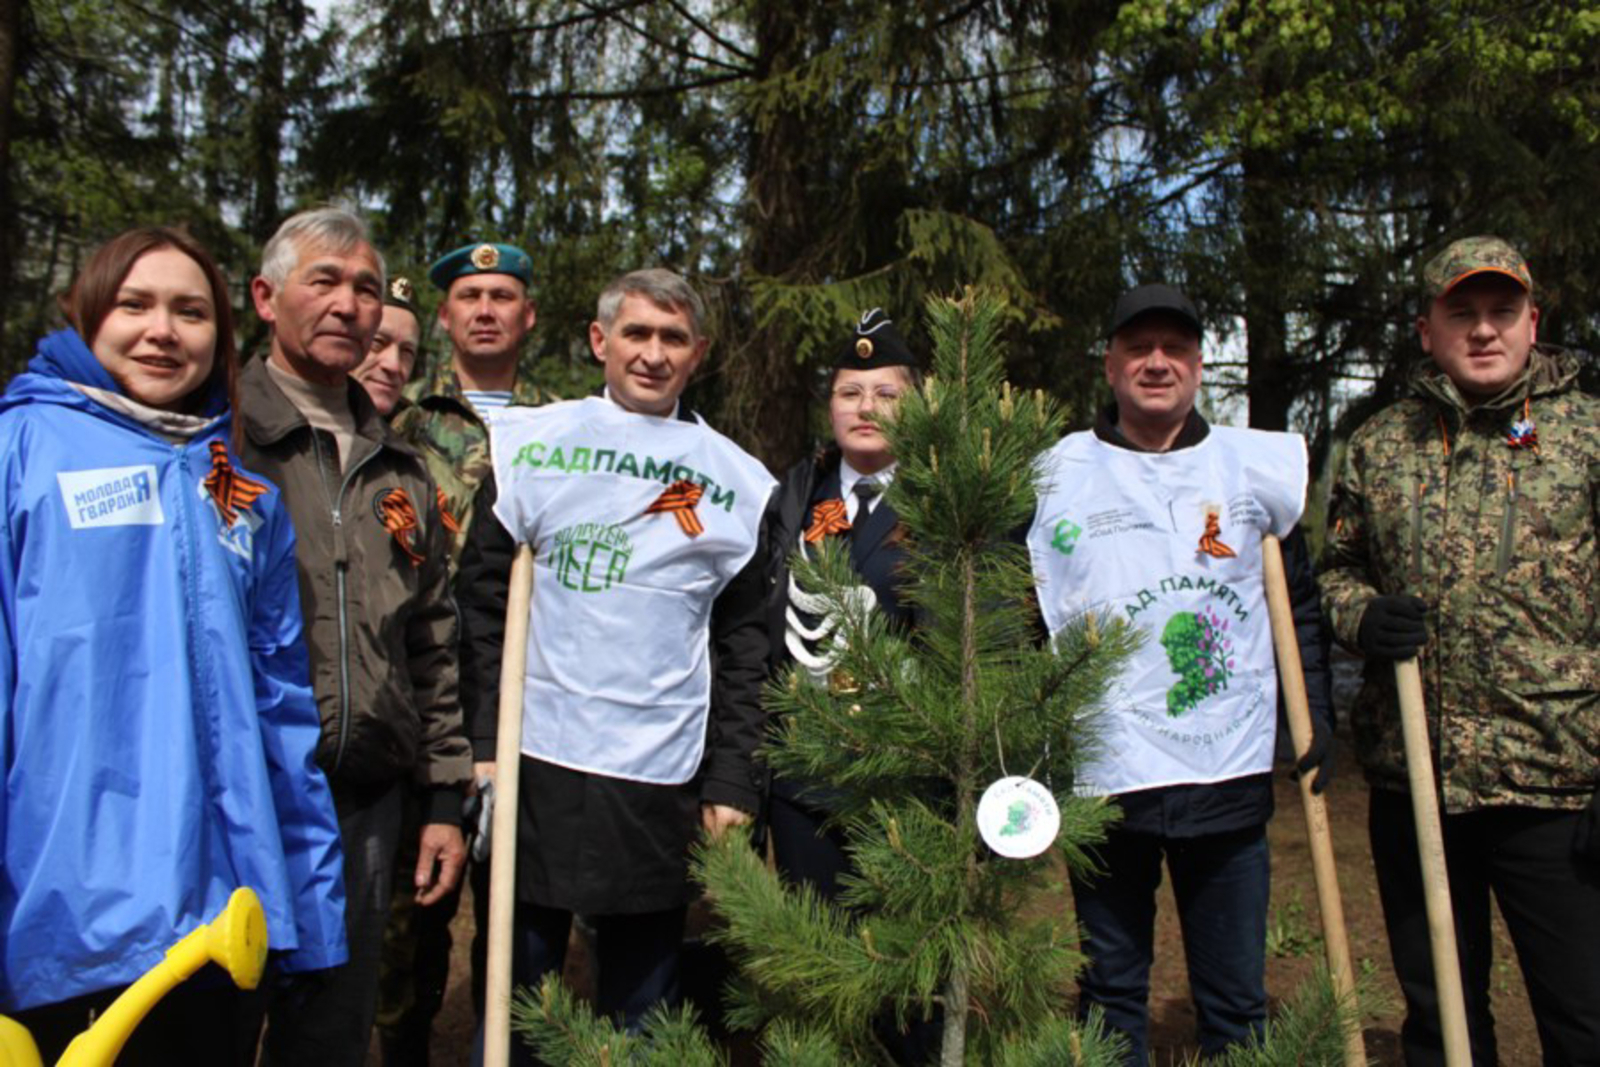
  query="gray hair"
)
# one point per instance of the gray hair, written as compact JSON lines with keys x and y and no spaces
{"x":660,"y":287}
{"x":330,"y":226}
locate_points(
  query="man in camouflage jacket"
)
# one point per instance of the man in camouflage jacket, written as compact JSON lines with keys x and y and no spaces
{"x":1463,"y":531}
{"x":487,"y":313}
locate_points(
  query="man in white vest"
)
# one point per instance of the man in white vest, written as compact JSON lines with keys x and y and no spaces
{"x":1155,"y":518}
{"x":647,"y":643}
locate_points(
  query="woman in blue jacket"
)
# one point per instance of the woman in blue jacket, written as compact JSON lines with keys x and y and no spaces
{"x":156,"y":722}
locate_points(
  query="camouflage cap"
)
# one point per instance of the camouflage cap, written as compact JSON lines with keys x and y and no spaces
{"x":1470,"y":256}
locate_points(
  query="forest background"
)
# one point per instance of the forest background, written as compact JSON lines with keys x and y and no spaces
{"x":1291,"y":163}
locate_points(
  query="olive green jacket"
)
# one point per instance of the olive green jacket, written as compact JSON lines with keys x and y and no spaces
{"x":380,"y":621}
{"x":437,"y":420}
{"x":1432,"y":500}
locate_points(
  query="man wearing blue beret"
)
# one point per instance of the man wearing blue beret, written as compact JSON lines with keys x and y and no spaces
{"x":487,"y":313}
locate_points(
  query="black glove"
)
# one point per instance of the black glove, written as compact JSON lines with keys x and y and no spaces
{"x":1586,"y":842}
{"x":1319,"y":756}
{"x":1392,"y":627}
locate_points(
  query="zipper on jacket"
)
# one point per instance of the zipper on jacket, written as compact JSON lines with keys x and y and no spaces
{"x":190,"y":578}
{"x":1418,"y":487}
{"x":1508,"y":527}
{"x":341,"y":566}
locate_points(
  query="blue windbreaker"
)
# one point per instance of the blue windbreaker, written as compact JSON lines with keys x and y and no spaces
{"x":157,"y":728}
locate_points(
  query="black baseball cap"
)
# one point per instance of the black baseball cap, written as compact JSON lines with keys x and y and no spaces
{"x":1148,"y":299}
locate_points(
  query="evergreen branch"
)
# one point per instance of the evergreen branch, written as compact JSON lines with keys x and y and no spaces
{"x":1067,"y":1043}
{"x":793,"y":944}
{"x":960,"y":13}
{"x":787,"y":1044}
{"x":198,"y":42}
{"x":1309,"y":1031}
{"x":615,"y":15}
{"x":562,"y":1029}
{"x":645,"y":92}
{"x":699,"y":24}
{"x":594,"y":14}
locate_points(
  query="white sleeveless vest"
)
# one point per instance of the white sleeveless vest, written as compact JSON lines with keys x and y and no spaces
{"x":1118,"y":533}
{"x":619,"y":667}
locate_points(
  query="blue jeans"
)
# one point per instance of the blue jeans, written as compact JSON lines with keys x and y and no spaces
{"x":1221,"y":885}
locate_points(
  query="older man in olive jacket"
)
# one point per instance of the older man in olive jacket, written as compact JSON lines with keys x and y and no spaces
{"x":380,"y":622}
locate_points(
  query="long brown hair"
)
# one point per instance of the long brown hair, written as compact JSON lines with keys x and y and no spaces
{"x":94,"y":293}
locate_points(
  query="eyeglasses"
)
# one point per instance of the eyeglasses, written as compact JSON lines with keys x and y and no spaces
{"x":853,"y":395}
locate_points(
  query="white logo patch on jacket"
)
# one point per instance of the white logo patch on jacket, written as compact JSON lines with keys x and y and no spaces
{"x":111,"y":496}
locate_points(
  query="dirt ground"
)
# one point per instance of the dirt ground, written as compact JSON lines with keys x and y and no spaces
{"x":1294,"y":931}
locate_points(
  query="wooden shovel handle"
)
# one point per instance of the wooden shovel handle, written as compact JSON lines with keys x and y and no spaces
{"x":503,"y":828}
{"x":1292,"y":675}
{"x":1435,"y":876}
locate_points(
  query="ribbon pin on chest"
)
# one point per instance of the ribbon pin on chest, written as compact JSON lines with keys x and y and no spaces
{"x":828,"y":517}
{"x":679,"y":500}
{"x":1211,"y":540}
{"x":1523,"y":434}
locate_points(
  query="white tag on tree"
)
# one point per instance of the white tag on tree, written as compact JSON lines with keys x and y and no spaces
{"x":1018,"y":818}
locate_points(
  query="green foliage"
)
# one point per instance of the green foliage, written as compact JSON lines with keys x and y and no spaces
{"x":1067,"y":1043}
{"x":1290,"y":933}
{"x":562,"y":1029}
{"x":1308,"y":1031}
{"x":1290,"y":162}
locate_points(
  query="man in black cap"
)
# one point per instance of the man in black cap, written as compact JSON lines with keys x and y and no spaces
{"x":1156,"y":518}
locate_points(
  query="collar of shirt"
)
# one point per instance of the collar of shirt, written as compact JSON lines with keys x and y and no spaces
{"x":605,"y":391}
{"x":849,"y":476}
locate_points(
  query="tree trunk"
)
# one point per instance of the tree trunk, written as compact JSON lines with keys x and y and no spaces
{"x":1266,"y":263}
{"x":266,"y":120}
{"x":10,"y":52}
{"x":765,"y":399}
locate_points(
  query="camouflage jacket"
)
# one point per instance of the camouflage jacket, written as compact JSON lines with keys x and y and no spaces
{"x":436,"y":419}
{"x":1432,"y":500}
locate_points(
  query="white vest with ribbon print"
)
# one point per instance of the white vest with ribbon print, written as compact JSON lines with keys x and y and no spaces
{"x":619,"y":663}
{"x":1119,"y":533}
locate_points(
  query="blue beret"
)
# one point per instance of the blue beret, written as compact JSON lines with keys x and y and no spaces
{"x":481,"y":259}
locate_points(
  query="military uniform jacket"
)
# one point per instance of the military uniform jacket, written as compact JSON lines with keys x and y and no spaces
{"x":1433,"y":501}
{"x":599,"y":843}
{"x":379,"y":619}
{"x":875,"y":552}
{"x":438,"y":421}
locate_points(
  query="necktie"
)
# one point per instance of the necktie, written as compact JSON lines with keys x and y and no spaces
{"x":866,"y":492}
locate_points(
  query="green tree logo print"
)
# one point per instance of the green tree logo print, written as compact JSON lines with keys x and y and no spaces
{"x":1201,"y":653}
{"x":1019,"y":819}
